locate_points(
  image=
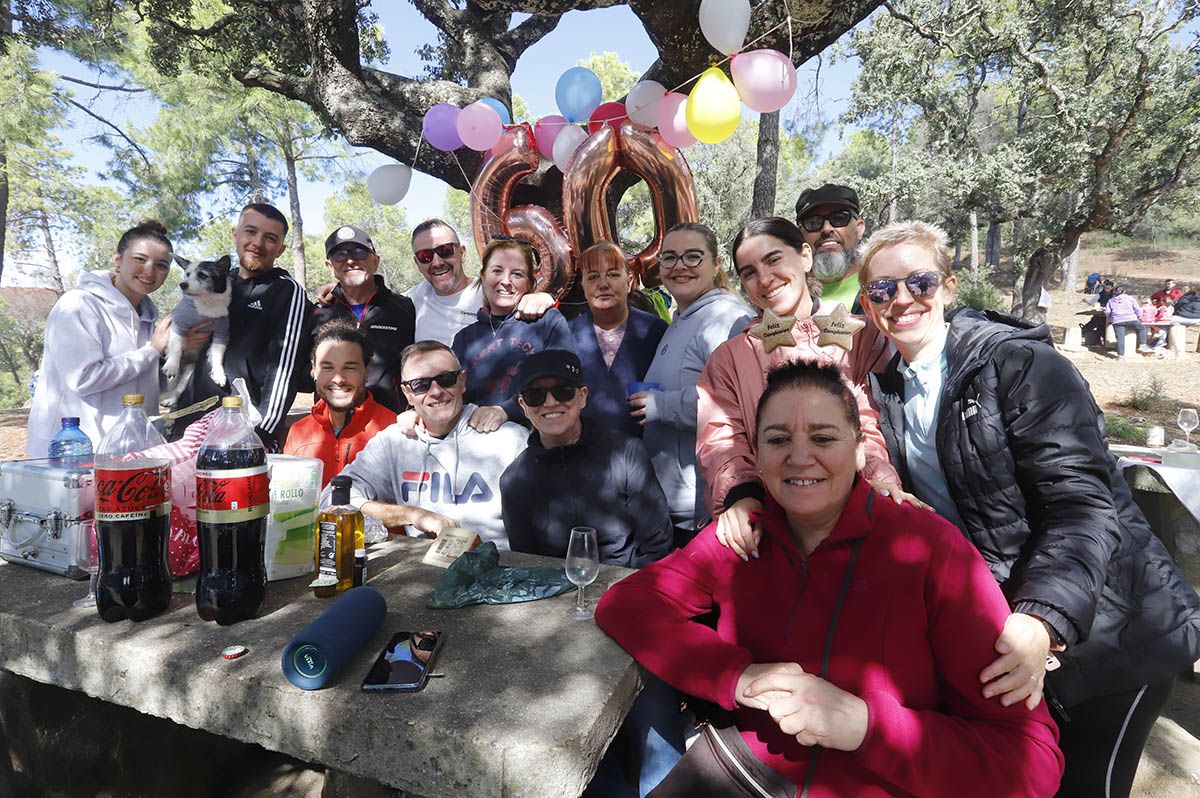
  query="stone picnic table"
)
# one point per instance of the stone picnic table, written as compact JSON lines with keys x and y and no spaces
{"x":528,"y":702}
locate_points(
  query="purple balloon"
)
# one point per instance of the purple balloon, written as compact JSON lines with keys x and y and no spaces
{"x":440,"y":127}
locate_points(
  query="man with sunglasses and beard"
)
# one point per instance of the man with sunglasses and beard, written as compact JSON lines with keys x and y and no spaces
{"x":828,"y":218}
{"x":444,"y":473}
{"x":360,"y":297}
{"x":447,"y":300}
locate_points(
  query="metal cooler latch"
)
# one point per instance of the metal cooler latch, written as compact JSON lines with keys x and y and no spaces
{"x":53,"y":523}
{"x":7,"y":508}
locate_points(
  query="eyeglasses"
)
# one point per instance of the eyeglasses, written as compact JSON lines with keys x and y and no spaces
{"x":816,"y":221}
{"x":690,"y":258}
{"x":919,"y":284}
{"x":345,"y":254}
{"x":443,"y":251}
{"x":421,"y":385}
{"x":536,"y":397}
{"x":537,"y":256}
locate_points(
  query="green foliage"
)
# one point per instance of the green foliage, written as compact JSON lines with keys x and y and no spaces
{"x":1122,"y":430}
{"x":456,"y":212}
{"x":975,"y":289}
{"x":616,"y":76}
{"x":388,"y":228}
{"x":1146,"y":395}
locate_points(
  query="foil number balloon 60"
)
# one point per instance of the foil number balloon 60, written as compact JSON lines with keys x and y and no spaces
{"x":593,"y":167}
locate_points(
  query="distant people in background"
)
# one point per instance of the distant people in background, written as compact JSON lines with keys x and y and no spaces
{"x":707,"y":313}
{"x":1123,"y":312}
{"x":1168,"y":293}
{"x":615,"y":342}
{"x":360,"y":296}
{"x":1093,"y":283}
{"x":1096,"y":327}
{"x":104,"y":339}
{"x":447,"y":300}
{"x":491,"y":349}
{"x":1106,"y":293}
{"x":1163,"y":311}
{"x":1187,"y":308}
{"x":829,"y":221}
{"x":345,"y":416}
{"x":268,"y":333}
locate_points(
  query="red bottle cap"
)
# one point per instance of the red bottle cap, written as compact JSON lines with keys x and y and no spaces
{"x":233,"y":652}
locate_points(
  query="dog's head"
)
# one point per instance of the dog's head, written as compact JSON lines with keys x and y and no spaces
{"x":206,"y":277}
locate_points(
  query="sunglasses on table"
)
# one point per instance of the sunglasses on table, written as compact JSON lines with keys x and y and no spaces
{"x":536,"y":397}
{"x":690,"y":258}
{"x":814,"y":222}
{"x":920,"y":285}
{"x":443,"y":251}
{"x":345,"y":254}
{"x":537,"y":257}
{"x":421,"y":385}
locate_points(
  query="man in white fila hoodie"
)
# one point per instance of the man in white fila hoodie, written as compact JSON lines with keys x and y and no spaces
{"x":448,"y":474}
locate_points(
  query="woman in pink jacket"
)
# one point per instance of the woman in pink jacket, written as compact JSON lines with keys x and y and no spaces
{"x":849,"y":652}
{"x":1123,"y":311}
{"x":773,"y":261}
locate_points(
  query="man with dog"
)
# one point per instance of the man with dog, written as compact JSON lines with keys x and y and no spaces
{"x":346,"y":417}
{"x":267,"y":318}
{"x":386,"y":318}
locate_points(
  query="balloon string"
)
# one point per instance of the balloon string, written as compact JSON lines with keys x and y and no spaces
{"x":471,"y":192}
{"x":417,"y":154}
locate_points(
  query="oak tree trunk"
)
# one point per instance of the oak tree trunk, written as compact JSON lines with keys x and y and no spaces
{"x":767,"y":171}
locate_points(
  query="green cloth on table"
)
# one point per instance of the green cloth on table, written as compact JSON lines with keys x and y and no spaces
{"x":477,"y":577}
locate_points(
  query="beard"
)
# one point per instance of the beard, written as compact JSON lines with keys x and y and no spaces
{"x":829,"y":267}
{"x":341,"y":405}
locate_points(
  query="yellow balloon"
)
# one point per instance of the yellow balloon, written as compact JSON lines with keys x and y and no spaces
{"x":714,"y":107}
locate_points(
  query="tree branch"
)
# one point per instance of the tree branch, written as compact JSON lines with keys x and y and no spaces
{"x":137,"y":147}
{"x":441,"y":14}
{"x":546,"y":7}
{"x":527,"y":34}
{"x":125,"y":88}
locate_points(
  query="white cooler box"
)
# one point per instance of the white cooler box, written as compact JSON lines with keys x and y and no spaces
{"x":41,"y":507}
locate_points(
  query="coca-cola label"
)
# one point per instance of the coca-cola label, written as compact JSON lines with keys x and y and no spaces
{"x":232,"y":495}
{"x":133,"y":494}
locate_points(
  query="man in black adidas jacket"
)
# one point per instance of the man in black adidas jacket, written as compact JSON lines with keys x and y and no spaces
{"x":268,"y":335}
{"x":386,"y":318}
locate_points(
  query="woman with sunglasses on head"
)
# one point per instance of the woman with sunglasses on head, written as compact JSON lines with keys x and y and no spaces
{"x":707,"y":313}
{"x":773,"y":261}
{"x":988,"y":423}
{"x":615,"y":343}
{"x":491,"y":349}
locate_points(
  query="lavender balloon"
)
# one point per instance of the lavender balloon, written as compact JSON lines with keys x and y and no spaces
{"x":440,"y":127}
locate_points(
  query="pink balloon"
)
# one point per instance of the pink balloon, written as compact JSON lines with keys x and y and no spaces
{"x":765,"y":79}
{"x":546,"y":131}
{"x":479,"y":126}
{"x":506,"y":142}
{"x":672,"y":122}
{"x":612,"y":114}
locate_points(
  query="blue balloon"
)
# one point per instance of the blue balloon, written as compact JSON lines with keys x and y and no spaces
{"x":499,"y":108}
{"x":578,"y":93}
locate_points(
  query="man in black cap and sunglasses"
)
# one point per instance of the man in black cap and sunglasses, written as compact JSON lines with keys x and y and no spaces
{"x":387,"y":319}
{"x":828,"y":218}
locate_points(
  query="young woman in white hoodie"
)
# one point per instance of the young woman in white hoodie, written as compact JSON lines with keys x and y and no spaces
{"x":103,"y":340}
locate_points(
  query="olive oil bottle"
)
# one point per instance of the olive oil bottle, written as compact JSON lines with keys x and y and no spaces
{"x":339,"y":526}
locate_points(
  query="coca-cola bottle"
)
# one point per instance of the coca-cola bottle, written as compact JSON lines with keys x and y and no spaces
{"x":133,"y":514}
{"x":232,"y":504}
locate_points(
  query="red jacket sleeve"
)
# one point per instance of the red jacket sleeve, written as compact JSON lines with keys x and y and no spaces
{"x":649,"y":613}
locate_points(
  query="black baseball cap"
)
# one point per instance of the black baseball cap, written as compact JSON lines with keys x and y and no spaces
{"x":828,"y":194}
{"x":549,"y":363}
{"x":348,"y":234}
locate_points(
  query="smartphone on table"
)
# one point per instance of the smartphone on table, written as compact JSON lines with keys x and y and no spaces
{"x":405,"y":663}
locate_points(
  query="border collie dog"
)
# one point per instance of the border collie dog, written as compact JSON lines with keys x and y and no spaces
{"x":207,"y":292}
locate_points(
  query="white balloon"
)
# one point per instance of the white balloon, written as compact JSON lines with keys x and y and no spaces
{"x":643,"y":101}
{"x":388,"y":184}
{"x":565,"y":145}
{"x":725,"y":23}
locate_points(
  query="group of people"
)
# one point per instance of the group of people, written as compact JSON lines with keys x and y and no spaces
{"x":875,"y":533}
{"x":1150,"y":318}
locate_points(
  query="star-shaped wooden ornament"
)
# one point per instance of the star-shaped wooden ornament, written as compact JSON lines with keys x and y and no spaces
{"x":838,"y":328}
{"x":774,"y":331}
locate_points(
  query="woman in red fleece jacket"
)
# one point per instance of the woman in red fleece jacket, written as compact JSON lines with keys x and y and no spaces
{"x":849,"y":650}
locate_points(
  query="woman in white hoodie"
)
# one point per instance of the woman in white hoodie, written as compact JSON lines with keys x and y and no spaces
{"x":104,"y":340}
{"x":707,"y":314}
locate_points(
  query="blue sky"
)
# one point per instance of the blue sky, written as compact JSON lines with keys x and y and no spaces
{"x":579,"y":34}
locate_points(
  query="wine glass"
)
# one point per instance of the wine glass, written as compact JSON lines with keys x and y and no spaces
{"x":583,"y":564}
{"x":87,"y":558}
{"x":1188,"y":421}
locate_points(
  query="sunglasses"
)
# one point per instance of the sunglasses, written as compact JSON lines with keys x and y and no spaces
{"x":816,"y":221}
{"x":443,"y":251}
{"x":920,"y":285}
{"x":345,"y":254}
{"x":537,"y":257}
{"x":690,"y":258}
{"x":536,"y":397}
{"x":421,"y":385}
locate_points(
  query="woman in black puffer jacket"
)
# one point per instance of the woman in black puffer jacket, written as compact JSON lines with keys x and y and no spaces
{"x":989,"y":424}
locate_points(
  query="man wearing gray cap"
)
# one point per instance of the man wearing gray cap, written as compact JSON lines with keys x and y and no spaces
{"x":828,"y":218}
{"x":360,"y":296}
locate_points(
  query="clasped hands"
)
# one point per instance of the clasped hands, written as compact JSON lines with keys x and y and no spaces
{"x":813,"y":710}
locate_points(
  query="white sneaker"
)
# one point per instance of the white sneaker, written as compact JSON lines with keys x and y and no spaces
{"x":1145,"y":348}
{"x":1120,"y":357}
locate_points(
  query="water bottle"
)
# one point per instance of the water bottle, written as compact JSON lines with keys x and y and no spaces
{"x":70,"y":446}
